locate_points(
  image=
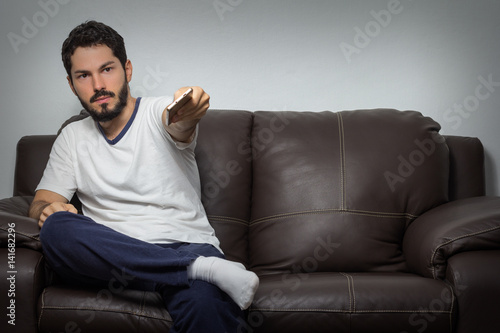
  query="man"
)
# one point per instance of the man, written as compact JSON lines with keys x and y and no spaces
{"x":137,"y":179}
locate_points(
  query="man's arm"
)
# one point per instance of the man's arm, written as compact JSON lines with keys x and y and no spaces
{"x":183,"y":125}
{"x":46,"y":203}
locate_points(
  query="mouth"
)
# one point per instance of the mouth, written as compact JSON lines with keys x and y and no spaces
{"x":103,"y":99}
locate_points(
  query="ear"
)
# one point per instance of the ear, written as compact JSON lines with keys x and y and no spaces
{"x":71,"y":85}
{"x":128,"y":70}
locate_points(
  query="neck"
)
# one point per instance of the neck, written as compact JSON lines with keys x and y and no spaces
{"x":113,"y":127}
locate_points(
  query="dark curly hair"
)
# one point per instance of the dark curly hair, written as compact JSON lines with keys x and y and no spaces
{"x":92,"y":33}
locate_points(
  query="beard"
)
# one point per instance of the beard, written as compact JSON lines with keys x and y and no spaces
{"x":107,"y":114}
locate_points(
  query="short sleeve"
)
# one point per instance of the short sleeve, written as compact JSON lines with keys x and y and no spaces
{"x":59,"y":174}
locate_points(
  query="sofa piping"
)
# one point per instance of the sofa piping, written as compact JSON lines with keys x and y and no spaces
{"x":434,"y":253}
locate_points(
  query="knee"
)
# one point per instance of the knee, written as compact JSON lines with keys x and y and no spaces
{"x":56,"y":226}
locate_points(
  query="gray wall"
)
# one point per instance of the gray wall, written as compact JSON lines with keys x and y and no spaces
{"x":434,"y":56}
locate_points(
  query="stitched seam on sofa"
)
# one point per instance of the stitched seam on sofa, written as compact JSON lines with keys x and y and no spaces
{"x":353,"y":293}
{"x":405,"y":215}
{"x":41,"y":311}
{"x":143,"y":303}
{"x":34,"y":295}
{"x":57,"y":308}
{"x":348,"y":311}
{"x":349,"y":289}
{"x":404,"y":311}
{"x":451,"y":308}
{"x":227,"y":219}
{"x":433,"y":257}
{"x":348,"y":211}
{"x":283,"y":215}
{"x":342,"y":161}
{"x":325,"y":211}
{"x":295,"y":310}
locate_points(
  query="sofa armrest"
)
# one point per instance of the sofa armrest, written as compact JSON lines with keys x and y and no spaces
{"x":471,"y":224}
{"x":474,"y":276}
{"x":19,"y":205}
{"x":20,"y":289}
{"x":14,"y":219}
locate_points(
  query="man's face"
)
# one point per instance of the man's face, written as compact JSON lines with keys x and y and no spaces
{"x":100,"y":82}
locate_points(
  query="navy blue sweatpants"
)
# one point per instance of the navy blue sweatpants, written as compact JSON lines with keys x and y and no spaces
{"x":81,"y":250}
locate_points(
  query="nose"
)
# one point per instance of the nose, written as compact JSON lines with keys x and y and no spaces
{"x":98,"y":83}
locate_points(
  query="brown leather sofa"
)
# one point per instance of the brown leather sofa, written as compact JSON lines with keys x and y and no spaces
{"x":356,"y":221}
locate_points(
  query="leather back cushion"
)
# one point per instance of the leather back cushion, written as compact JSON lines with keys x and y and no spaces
{"x":336,"y":191}
{"x":32,"y":155}
{"x":467,"y":169}
{"x":317,"y":175}
{"x":225,"y":165}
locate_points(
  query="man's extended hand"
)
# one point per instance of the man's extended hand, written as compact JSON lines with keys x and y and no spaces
{"x":187,"y":117}
{"x":53,"y":208}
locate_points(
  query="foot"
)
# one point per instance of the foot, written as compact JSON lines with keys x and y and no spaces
{"x":231,"y":277}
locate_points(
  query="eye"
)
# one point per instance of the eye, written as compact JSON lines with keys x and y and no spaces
{"x":107,"y":69}
{"x":82,"y":76}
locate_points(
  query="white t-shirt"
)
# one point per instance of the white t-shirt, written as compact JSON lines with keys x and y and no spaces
{"x":142,"y":184}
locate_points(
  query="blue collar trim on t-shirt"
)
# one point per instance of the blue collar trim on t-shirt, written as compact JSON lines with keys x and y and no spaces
{"x":125,"y":129}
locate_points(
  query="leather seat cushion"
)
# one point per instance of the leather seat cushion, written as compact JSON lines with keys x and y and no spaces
{"x":352,"y":302}
{"x":67,"y":308}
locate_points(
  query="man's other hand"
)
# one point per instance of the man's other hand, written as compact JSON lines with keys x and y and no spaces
{"x":53,"y":208}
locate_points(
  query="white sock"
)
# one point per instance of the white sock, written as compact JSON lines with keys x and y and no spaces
{"x":232,"y":277}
